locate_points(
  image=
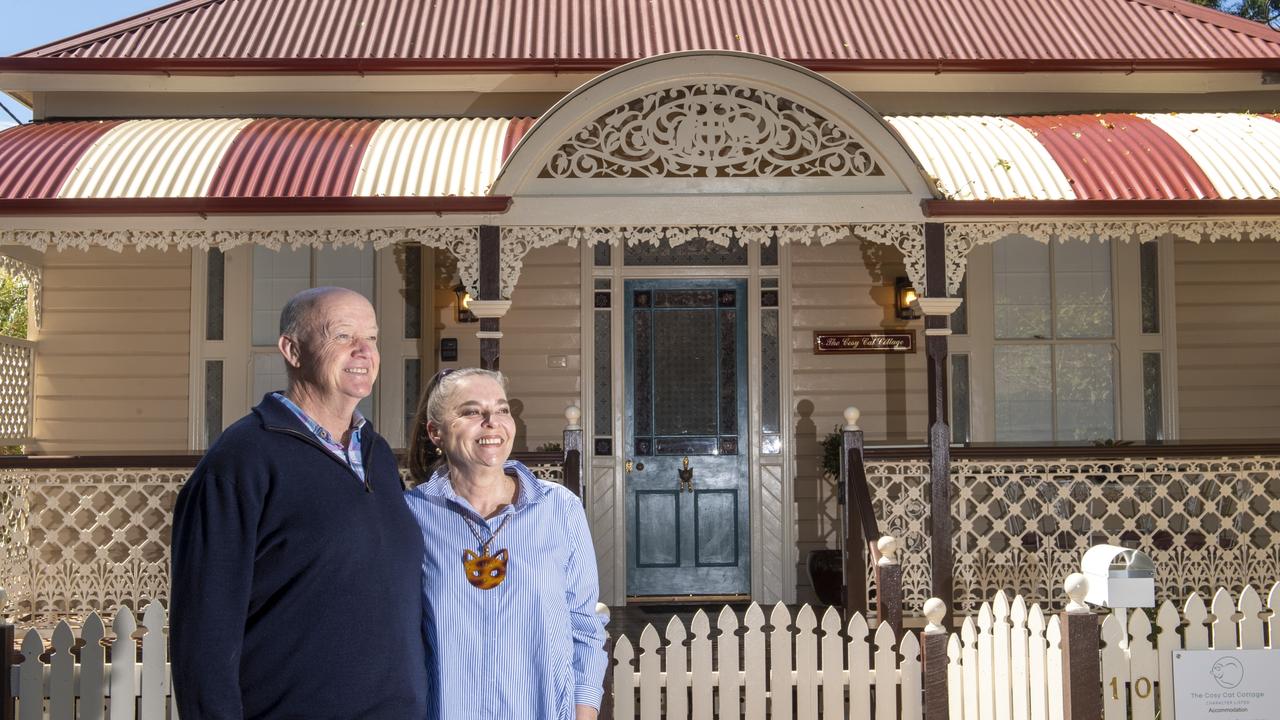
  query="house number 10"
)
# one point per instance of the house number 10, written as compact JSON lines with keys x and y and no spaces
{"x":1141,"y":688}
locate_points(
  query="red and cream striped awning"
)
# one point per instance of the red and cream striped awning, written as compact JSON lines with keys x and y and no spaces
{"x":281,"y":158}
{"x":1190,"y":160}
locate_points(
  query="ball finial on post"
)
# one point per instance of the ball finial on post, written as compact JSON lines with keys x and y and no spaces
{"x":888,"y":547}
{"x":572,"y":415}
{"x":934,"y":611}
{"x":1076,"y":586}
{"x":851,"y":415}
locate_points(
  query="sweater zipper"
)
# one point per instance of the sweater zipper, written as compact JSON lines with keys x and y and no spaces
{"x":312,"y":441}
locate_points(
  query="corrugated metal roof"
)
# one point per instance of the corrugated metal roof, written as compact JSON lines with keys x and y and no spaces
{"x":36,"y":159}
{"x":1118,"y":157}
{"x":800,"y":30}
{"x":1098,"y":157}
{"x":245,"y":158}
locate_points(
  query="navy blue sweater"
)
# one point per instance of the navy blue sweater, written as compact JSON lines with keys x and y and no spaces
{"x":296,"y":589}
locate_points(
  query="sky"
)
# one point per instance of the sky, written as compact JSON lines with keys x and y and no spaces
{"x":25,"y":24}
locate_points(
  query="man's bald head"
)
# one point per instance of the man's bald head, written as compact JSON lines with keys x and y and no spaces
{"x":297,"y":317}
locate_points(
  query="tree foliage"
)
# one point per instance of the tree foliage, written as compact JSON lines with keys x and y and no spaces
{"x":1266,"y":12}
{"x":13,"y":306}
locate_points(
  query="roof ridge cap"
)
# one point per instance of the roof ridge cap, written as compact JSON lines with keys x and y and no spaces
{"x":117,"y":27}
{"x":1216,"y":18}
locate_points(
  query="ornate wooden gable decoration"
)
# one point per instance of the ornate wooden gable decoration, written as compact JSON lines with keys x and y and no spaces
{"x":710,"y":130}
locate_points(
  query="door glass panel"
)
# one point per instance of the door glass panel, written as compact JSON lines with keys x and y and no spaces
{"x":1082,"y":289}
{"x":1085,"y":376}
{"x":1021,"y":267}
{"x":1024,"y":395}
{"x":685,"y":359}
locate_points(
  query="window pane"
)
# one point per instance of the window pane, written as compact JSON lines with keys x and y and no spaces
{"x":347,"y":267}
{"x":268,"y":374}
{"x":960,"y":398}
{"x":1085,"y":376}
{"x":1024,"y":394}
{"x":277,"y":276}
{"x":960,"y":318}
{"x":1149,"y":255}
{"x":212,"y":401}
{"x":412,"y":291}
{"x":603,"y":374}
{"x":215,"y":278}
{"x":770,"y":373}
{"x":1152,"y":397}
{"x":1082,"y":284}
{"x":412,"y":388}
{"x":1021,"y":268}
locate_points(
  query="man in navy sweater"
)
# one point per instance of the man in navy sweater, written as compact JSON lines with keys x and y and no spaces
{"x":297,"y":567}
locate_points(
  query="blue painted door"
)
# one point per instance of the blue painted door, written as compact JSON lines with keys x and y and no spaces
{"x":686,"y":479}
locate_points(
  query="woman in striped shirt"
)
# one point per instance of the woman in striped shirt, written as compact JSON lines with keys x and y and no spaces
{"x":509,"y":576}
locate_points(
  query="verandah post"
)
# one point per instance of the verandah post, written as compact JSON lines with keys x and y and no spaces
{"x":1081,"y":669}
{"x":6,"y":659}
{"x":854,"y":587}
{"x":572,"y":467}
{"x":937,"y":308}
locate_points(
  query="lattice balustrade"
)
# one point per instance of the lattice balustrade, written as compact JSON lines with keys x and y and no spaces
{"x":16,"y":368}
{"x":76,"y":541}
{"x":1022,"y":526}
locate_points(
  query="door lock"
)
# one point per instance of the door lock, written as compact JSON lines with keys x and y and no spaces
{"x":686,"y":475}
{"x":629,"y":466}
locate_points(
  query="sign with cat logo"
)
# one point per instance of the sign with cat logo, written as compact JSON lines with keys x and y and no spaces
{"x":1236,"y":684}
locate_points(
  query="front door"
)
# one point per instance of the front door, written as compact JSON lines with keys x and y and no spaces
{"x":685,"y":475}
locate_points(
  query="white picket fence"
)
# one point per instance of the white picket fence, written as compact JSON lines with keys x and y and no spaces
{"x":127,"y":689}
{"x":782,"y":674}
{"x":1007,"y":665}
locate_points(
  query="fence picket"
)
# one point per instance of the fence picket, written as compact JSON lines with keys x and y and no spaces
{"x":1196,"y":635}
{"x":909,"y":678}
{"x":124,"y":667}
{"x":859,"y":668}
{"x":955,"y":679}
{"x":730,"y":684}
{"x":1144,"y":668}
{"x":754,"y":662}
{"x":1037,"y":694}
{"x":832,"y":666}
{"x":92,"y":669}
{"x":31,"y":678}
{"x":806,"y":664}
{"x":1251,"y":622}
{"x":677,"y":670}
{"x":986,"y":666}
{"x":155,"y":651}
{"x":1115,"y":669}
{"x":1053,"y":667}
{"x":1167,"y":641}
{"x":62,"y":689}
{"x":624,"y":680}
{"x":969,"y":662}
{"x":1019,"y":702}
{"x":1001,"y":671}
{"x":700,"y":667}
{"x":886,"y":674}
{"x":780,"y":683}
{"x":650,"y":675}
{"x":1224,"y":624}
{"x":1273,"y":625}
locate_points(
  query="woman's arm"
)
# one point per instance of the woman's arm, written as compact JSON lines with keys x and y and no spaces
{"x":582,"y":592}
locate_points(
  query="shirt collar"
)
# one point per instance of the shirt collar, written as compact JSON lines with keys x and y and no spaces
{"x":357,"y":419}
{"x":531,"y":489}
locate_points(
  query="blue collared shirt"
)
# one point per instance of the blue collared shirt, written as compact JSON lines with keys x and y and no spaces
{"x":532,"y":647}
{"x":349,"y":453}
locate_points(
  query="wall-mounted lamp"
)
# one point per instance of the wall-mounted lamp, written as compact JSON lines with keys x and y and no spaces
{"x":464,"y":304}
{"x":903,"y":295}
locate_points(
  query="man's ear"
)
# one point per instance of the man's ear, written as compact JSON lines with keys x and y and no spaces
{"x":290,"y":350}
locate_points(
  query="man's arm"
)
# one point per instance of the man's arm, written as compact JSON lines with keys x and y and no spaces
{"x":214,"y":540}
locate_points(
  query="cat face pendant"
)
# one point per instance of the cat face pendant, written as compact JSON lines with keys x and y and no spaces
{"x":485,"y":571}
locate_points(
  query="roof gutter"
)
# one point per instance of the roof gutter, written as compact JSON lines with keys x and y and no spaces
{"x":1099,"y":208}
{"x":358,"y":66}
{"x":256,"y":206}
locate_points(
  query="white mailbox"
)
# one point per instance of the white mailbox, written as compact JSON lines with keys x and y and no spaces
{"x":1119,"y":577}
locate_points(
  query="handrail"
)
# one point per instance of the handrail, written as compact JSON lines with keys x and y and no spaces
{"x":1066,"y":451}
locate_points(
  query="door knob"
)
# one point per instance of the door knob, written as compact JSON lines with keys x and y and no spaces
{"x":686,"y":475}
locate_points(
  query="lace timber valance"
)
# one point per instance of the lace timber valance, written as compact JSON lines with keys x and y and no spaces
{"x":707,"y":130}
{"x":33,"y":276}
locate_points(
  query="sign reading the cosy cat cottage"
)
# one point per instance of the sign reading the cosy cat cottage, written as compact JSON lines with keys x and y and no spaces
{"x":1213,"y":684}
{"x":833,"y":342}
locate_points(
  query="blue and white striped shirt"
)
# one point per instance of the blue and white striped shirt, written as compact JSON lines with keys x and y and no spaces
{"x":530,"y":648}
